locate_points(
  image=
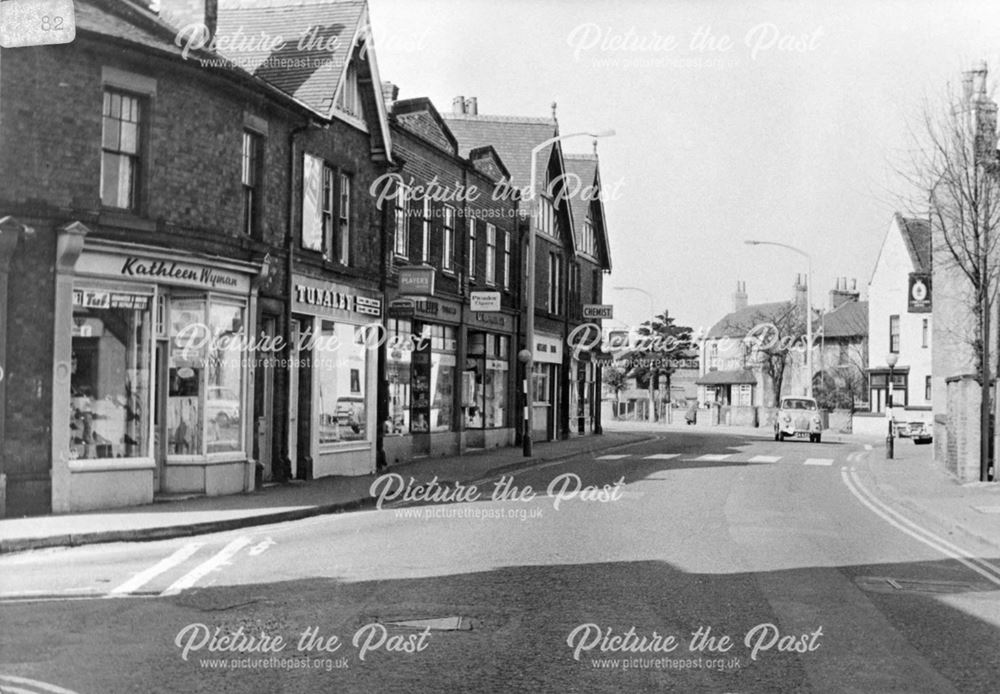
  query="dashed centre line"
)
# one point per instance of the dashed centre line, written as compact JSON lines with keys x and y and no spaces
{"x":765,"y":459}
{"x":661,"y":456}
{"x":611,"y":457}
{"x":714,"y":456}
{"x":818,"y":461}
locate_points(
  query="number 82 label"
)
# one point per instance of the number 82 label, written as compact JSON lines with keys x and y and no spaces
{"x":36,"y":22}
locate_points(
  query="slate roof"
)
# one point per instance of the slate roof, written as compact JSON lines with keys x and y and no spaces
{"x":127,"y":21}
{"x":850,"y":319}
{"x":513,"y":137}
{"x":310,"y":74}
{"x":713,"y":378}
{"x":419,"y":117}
{"x":917,"y":237}
{"x":739,"y":323}
{"x":583,"y":166}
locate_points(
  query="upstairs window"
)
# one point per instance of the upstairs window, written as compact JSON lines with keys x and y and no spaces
{"x":448,"y":239}
{"x":555,"y":283}
{"x":349,"y":99}
{"x":547,"y":223}
{"x":342,"y":243}
{"x":121,"y":149}
{"x":491,"y":254}
{"x":425,"y":240}
{"x":250,"y":177}
{"x":401,"y":245}
{"x":472,"y":248}
{"x":506,"y":260}
{"x":588,"y":244}
{"x":894,"y":334}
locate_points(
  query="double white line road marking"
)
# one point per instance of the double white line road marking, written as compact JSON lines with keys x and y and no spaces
{"x":901,"y":522}
{"x":214,"y":563}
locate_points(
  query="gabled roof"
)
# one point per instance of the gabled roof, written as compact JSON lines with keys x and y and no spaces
{"x":488,"y":162}
{"x":850,"y":319}
{"x":917,"y":237}
{"x":419,"y":117}
{"x":513,"y":137}
{"x":312,"y":43}
{"x":587,"y":168}
{"x":128,"y":21}
{"x":739,"y":323}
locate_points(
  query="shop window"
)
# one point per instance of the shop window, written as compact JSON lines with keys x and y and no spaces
{"x":121,"y":149}
{"x":110,"y":374}
{"x":339,"y":361}
{"x":205,"y":386}
{"x":484,"y":381}
{"x":442,"y":377}
{"x":399,"y":352}
{"x":540,"y":383}
{"x":250,"y":176}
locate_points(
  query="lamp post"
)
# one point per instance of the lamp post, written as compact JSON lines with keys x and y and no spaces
{"x":527,"y":356}
{"x":809,"y":322}
{"x":891,"y":360}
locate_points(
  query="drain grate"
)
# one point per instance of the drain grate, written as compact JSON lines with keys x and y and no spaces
{"x":884,"y":584}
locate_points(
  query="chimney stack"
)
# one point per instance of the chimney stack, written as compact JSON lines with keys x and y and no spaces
{"x":740,"y":296}
{"x":841,"y":295}
{"x":390,"y":92}
{"x":181,"y":13}
{"x":801,"y":290}
{"x":458,"y":105}
{"x":472,"y":106}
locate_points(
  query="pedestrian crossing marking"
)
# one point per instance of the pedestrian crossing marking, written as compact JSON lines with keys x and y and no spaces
{"x":144,"y":577}
{"x":765,"y":459}
{"x":818,"y":461}
{"x":610,"y":457}
{"x":216,"y":562}
{"x":661,"y":456}
{"x":714,"y":456}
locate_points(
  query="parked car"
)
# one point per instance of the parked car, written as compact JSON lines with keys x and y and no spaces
{"x":918,"y":430}
{"x":798,"y":417}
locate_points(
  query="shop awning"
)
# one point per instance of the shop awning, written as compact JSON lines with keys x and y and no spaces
{"x":718,"y":378}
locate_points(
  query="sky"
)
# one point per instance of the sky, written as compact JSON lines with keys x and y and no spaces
{"x":779,"y":121}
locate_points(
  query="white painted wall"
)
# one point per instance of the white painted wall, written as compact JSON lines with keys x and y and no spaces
{"x":887,"y":295}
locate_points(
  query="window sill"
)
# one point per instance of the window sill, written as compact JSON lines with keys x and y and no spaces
{"x":125,"y":219}
{"x":110,"y":464}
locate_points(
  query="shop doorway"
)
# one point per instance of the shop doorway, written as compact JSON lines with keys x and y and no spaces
{"x":160,"y":386}
{"x":293,"y":400}
{"x":264,"y":415}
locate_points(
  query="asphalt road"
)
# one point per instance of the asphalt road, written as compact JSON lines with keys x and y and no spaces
{"x":695,"y":563}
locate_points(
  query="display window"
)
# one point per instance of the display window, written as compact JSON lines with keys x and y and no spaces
{"x":110,"y":374}
{"x":484,"y":380}
{"x":205,"y":377}
{"x":399,"y":357}
{"x":339,"y":361}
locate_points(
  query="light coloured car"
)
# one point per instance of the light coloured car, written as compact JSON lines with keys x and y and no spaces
{"x":798,"y":417}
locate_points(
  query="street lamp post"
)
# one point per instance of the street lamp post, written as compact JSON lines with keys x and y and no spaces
{"x":889,"y":439}
{"x":809,"y":322}
{"x":528,"y":355}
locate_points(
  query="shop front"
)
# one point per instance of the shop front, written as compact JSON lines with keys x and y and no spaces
{"x":488,"y":393}
{"x":421,"y":374}
{"x":155,"y":393}
{"x":548,"y":359}
{"x":582,"y":393}
{"x":333,"y":362}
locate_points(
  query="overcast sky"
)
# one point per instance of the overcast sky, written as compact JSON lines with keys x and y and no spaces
{"x":774,"y":120}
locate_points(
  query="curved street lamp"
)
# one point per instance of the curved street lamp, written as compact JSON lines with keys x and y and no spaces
{"x":529,"y":328}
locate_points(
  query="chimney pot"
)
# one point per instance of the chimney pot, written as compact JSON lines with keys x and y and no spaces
{"x":458,"y":105}
{"x":472,"y":106}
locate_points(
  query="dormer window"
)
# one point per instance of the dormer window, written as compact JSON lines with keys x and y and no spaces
{"x":349,"y":98}
{"x":547,"y":223}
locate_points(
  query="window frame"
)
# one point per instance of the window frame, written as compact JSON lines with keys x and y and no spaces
{"x":401,"y":238}
{"x":138,"y":158}
{"x":252,"y":165}
{"x":491,"y":254}
{"x":925,"y":329}
{"x":341,"y":251}
{"x":472,"y":248}
{"x":425,"y":239}
{"x":506,"y":260}
{"x":448,"y":239}
{"x":894,"y":336}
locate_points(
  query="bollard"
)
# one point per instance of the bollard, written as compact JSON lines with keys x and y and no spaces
{"x":888,"y":447}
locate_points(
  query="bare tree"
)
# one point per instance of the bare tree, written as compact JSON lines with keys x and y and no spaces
{"x":773,"y":341}
{"x":956,"y":163}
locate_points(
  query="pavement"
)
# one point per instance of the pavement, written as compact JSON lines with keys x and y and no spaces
{"x":282,"y":502}
{"x":915,"y":482}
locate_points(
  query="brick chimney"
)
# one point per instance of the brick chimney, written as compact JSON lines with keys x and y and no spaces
{"x":458,"y":105}
{"x":974,"y":94}
{"x":841,"y":295}
{"x":801,"y":290}
{"x":390,"y":92}
{"x":181,"y":13}
{"x":472,"y":106}
{"x":740,"y":296}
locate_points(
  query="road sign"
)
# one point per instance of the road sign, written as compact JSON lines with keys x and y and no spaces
{"x":598,"y":311}
{"x":484,"y":301}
